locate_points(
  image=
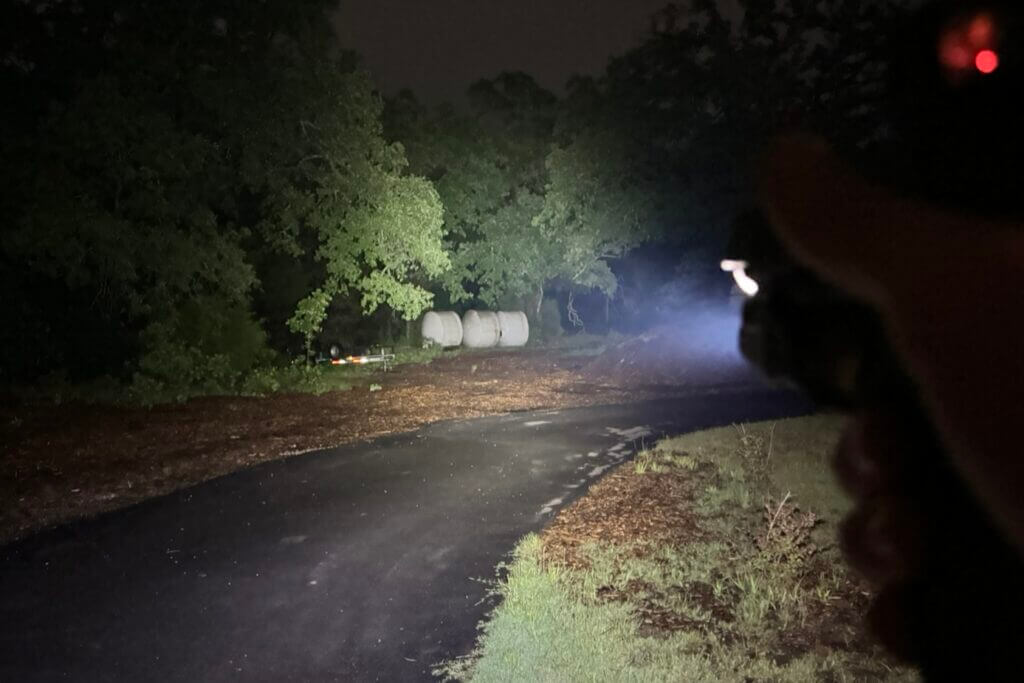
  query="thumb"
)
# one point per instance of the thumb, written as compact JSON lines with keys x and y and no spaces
{"x":861,"y":237}
{"x":947,"y":286}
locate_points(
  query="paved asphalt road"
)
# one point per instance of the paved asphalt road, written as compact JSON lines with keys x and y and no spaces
{"x":357,"y":563}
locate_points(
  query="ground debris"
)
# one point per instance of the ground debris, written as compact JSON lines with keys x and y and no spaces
{"x":49,"y":450}
{"x":623,"y":509}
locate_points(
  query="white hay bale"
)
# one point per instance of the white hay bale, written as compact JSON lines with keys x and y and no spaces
{"x":515,"y":328}
{"x":443,"y":328}
{"x":480,"y":329}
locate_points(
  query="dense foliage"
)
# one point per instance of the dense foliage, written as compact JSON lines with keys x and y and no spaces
{"x":553,"y":195}
{"x":197,"y":190}
{"x":161,"y":153}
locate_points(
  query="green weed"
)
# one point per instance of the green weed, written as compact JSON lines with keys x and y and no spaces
{"x":643,"y":462}
{"x":550,"y":626}
{"x":753,"y":563}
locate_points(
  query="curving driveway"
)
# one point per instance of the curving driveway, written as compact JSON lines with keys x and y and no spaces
{"x":356,"y":563}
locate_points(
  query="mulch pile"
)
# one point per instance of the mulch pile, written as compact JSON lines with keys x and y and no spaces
{"x":623,"y":509}
{"x":638,"y":512}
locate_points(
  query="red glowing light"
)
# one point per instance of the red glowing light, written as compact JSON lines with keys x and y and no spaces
{"x":970,"y":45}
{"x":955,"y":54}
{"x":986,"y":61}
{"x":981,"y":31}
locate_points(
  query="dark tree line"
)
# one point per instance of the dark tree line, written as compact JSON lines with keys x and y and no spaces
{"x":167,"y":161}
{"x":196,"y":190}
{"x":656,"y":150}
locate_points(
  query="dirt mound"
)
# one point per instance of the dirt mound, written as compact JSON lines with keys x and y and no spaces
{"x":670,"y":356}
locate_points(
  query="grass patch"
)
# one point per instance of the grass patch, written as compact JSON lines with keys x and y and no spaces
{"x":416,"y":355}
{"x":263,"y":380}
{"x":299,"y":378}
{"x":755,"y":590}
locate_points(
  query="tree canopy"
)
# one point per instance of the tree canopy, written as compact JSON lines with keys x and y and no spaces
{"x":166,"y":148}
{"x":196,"y":181}
{"x":542,"y":192}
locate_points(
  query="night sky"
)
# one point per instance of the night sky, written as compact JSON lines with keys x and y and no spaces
{"x":439,"y":47}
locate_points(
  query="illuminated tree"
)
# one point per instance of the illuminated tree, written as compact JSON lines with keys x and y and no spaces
{"x":522,"y":212}
{"x":158,"y":151}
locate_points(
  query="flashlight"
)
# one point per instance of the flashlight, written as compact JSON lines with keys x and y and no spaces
{"x":747,"y":284}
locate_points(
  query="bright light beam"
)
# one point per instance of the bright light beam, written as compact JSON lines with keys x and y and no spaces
{"x":738,"y":269}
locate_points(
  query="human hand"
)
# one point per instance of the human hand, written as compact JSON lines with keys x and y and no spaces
{"x":945,"y":287}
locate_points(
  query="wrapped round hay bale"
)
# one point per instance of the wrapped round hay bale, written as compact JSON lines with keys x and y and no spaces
{"x":443,"y":328}
{"x":480,"y":329}
{"x":515,"y":328}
